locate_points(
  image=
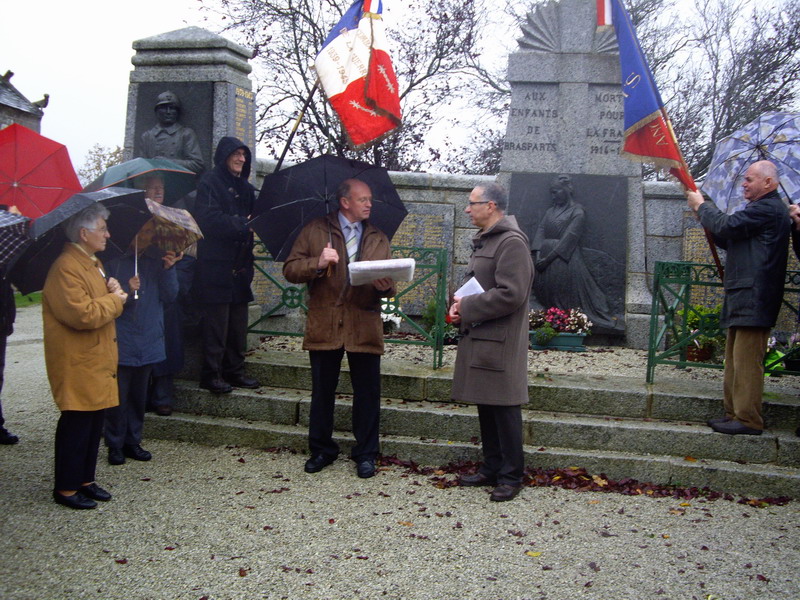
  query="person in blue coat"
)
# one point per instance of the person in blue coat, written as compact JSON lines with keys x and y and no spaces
{"x":151,"y":283}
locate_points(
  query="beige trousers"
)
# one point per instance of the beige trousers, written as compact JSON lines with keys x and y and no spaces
{"x":744,"y":374}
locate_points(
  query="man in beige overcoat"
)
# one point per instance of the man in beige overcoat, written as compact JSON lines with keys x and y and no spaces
{"x":492,"y":361}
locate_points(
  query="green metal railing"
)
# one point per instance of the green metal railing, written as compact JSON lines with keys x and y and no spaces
{"x":678,"y":289}
{"x":430,"y":282}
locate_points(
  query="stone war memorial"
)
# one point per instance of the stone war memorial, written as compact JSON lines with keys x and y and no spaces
{"x":579,"y":202}
{"x":206,"y":77}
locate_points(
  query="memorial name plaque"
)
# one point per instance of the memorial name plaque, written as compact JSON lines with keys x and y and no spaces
{"x":425,"y":226}
{"x":242,"y":115}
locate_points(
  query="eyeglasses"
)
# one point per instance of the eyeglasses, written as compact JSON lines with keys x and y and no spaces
{"x":481,"y":202}
{"x":103,"y":229}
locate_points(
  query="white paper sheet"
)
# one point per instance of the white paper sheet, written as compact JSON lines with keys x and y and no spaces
{"x":468,"y":289}
{"x":367,"y":271}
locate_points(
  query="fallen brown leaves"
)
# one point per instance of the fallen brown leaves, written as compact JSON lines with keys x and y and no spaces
{"x":579,"y":480}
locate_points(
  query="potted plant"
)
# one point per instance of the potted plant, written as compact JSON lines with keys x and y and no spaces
{"x":555,"y":328}
{"x":450,"y":333}
{"x":703,"y":323}
{"x":782,"y":353}
{"x":792,"y":350}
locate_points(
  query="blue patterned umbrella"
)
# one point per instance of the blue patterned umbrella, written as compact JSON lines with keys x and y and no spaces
{"x":774,"y":136}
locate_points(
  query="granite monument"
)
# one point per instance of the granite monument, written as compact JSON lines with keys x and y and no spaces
{"x":566,"y":119}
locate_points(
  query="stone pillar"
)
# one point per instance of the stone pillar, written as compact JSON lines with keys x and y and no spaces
{"x":210,"y":76}
{"x":566,"y":117}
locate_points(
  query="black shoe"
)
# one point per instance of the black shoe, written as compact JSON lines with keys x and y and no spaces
{"x":217,"y":386}
{"x":504,"y":492}
{"x":315,"y":464}
{"x":797,"y":433}
{"x":7,"y":438}
{"x":95,"y":492}
{"x":136,"y":452}
{"x":717,"y":421}
{"x":77,"y":500}
{"x":478,"y":479}
{"x":243,"y":381}
{"x":366,"y":468}
{"x":115,"y":456}
{"x":163,"y":410}
{"x":733,"y":427}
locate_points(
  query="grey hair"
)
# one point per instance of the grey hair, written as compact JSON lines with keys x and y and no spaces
{"x":86,"y":219}
{"x":494,"y":192}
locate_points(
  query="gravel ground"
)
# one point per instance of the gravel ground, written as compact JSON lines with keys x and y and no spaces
{"x":241,"y":523}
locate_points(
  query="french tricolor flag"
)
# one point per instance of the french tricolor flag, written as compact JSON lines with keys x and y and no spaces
{"x":604,"y":16}
{"x":356,"y":73}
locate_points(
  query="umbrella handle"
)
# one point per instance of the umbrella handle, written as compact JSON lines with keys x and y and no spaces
{"x":136,"y":263}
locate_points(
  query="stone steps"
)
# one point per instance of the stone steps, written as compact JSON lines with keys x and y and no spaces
{"x":750,"y":479}
{"x":619,"y":427}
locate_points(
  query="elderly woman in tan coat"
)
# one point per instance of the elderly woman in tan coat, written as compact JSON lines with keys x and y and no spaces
{"x":80,"y":347}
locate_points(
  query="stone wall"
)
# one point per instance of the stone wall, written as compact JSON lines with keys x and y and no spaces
{"x":442,"y":198}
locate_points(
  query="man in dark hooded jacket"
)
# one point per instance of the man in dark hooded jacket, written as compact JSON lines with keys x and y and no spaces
{"x":224,"y":268}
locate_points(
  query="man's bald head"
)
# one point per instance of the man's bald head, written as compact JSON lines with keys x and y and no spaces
{"x":760,"y":179}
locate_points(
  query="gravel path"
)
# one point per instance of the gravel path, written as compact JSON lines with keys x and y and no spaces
{"x":241,"y":523}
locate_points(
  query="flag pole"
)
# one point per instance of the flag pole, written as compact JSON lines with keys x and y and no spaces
{"x":689,"y":179}
{"x":296,"y":125}
{"x":648,"y":131}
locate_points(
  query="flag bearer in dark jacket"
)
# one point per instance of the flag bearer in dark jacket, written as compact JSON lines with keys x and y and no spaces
{"x":757,"y":243}
{"x":224,"y":267}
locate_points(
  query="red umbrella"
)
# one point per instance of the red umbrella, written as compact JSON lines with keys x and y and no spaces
{"x":36,"y":174}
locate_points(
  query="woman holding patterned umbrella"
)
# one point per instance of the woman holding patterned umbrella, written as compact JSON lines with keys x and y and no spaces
{"x":151,"y":283}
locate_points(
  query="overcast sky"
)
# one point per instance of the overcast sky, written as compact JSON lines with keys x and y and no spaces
{"x":80,"y":53}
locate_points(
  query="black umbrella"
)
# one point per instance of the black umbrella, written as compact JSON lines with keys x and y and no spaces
{"x":292,"y":197}
{"x":29,"y":271}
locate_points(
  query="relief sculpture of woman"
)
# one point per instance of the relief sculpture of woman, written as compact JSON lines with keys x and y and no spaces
{"x":563,"y":278}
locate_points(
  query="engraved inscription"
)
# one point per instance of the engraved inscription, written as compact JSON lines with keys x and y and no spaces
{"x":607,"y":135}
{"x":533,"y":123}
{"x":241,"y":115}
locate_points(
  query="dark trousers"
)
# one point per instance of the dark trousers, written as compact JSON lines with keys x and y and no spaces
{"x":365,"y":375}
{"x":501,"y":436}
{"x":224,"y":334}
{"x":3,"y":339}
{"x":162,"y":390}
{"x":124,"y":423}
{"x":77,"y":441}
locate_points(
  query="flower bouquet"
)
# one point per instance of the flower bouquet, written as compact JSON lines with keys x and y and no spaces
{"x":547,"y":324}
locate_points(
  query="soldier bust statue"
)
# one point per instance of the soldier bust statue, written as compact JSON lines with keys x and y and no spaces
{"x":169,"y":139}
